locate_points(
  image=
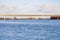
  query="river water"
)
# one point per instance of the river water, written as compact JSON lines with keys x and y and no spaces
{"x":29,"y":29}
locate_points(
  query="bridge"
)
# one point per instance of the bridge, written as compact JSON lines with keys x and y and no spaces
{"x":28,"y":16}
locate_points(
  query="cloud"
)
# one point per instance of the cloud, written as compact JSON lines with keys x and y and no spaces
{"x":15,"y":8}
{"x":42,"y":8}
{"x":7,"y":8}
{"x":49,"y":8}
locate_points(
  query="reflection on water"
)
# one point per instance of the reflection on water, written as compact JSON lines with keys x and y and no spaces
{"x":30,"y":30}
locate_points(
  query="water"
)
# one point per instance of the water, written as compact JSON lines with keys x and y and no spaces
{"x":30,"y":30}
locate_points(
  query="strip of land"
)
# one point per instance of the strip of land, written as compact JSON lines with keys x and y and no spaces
{"x":27,"y":16}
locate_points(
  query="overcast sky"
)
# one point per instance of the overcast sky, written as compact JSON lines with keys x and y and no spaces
{"x":30,"y":6}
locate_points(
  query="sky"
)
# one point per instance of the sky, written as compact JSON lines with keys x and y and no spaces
{"x":29,"y":6}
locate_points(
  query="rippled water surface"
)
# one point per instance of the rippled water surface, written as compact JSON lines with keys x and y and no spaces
{"x":29,"y":29}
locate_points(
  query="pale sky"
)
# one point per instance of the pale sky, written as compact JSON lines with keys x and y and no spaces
{"x":30,"y":6}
